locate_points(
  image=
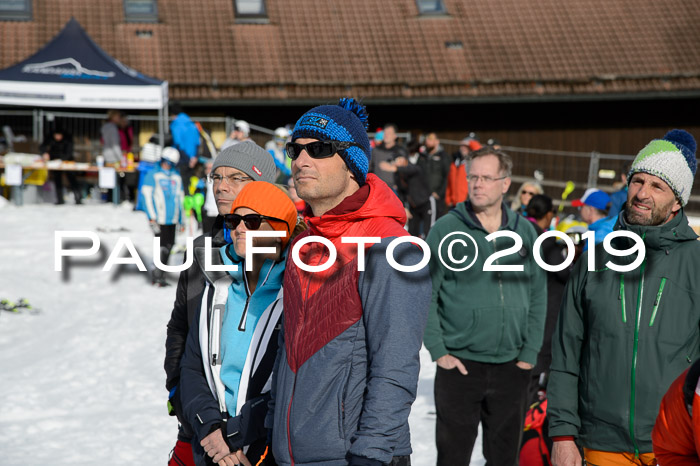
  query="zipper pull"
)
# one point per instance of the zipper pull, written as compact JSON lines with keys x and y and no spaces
{"x":244,"y":317}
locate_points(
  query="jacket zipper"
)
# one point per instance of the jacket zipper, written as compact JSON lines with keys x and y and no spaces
{"x":503,"y":299}
{"x":621,"y":297}
{"x":289,"y":414}
{"x":294,"y":387}
{"x":633,"y":396}
{"x":657,"y":301}
{"x":244,"y":316}
{"x":241,"y":324}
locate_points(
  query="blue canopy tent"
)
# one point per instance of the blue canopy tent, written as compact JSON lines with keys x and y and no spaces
{"x":73,"y":71}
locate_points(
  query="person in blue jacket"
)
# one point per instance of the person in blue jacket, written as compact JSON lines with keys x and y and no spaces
{"x":594,"y":207}
{"x":163,"y":199}
{"x":225,"y":374}
{"x":618,"y":198}
{"x":185,"y":139}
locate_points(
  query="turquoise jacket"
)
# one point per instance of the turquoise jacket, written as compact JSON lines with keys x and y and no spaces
{"x":243,"y":309}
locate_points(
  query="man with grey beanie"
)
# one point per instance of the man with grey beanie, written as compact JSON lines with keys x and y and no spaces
{"x":233,"y":168}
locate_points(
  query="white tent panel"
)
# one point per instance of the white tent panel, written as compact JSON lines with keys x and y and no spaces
{"x":43,"y":94}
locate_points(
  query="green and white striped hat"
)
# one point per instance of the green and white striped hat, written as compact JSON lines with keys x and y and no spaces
{"x":672,"y":159}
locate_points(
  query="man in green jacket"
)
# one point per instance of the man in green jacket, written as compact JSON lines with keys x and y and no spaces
{"x":485,"y":327}
{"x":623,"y":337}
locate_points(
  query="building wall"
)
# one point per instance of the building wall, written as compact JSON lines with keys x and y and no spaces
{"x":608,"y":127}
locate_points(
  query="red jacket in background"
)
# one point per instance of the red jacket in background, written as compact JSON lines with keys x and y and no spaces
{"x":676,"y":436}
{"x":457,"y":187}
{"x":456,"y":184}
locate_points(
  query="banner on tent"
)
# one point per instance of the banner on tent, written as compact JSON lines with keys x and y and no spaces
{"x":81,"y":95}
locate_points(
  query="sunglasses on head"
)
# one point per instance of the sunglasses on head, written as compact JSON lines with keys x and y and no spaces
{"x":317,"y":149}
{"x":251,"y":221}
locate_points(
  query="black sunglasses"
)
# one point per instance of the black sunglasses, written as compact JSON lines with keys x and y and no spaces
{"x":317,"y":149}
{"x":251,"y":221}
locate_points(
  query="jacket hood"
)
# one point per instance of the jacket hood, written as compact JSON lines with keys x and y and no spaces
{"x":382,"y":202}
{"x":660,"y":237}
{"x":462,"y":212}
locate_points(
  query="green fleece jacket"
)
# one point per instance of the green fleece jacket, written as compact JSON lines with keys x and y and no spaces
{"x":622,"y":338}
{"x":491,"y":317}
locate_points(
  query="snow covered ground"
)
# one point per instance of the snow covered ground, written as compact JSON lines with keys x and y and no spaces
{"x":82,"y":381}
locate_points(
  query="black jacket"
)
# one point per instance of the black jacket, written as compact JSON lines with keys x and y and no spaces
{"x":436,"y":168}
{"x":188,"y":297}
{"x":58,"y":150}
{"x":553,"y":253}
{"x":412,"y":185}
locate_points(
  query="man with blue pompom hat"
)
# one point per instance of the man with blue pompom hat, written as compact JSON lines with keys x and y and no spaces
{"x":623,"y":337}
{"x":347,"y":371}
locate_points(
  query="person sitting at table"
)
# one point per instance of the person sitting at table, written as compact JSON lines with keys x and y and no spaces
{"x":58,"y":145}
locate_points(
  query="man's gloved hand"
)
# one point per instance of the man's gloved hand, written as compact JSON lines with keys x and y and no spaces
{"x":174,"y":402}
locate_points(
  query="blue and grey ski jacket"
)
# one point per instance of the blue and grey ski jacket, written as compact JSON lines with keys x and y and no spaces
{"x":163,"y":196}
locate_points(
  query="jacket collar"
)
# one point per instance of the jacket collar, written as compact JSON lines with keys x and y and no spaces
{"x":380,"y":202}
{"x":465,"y":212}
{"x":660,"y":237}
{"x":227,"y":256}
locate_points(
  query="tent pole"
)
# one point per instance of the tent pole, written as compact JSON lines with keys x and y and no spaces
{"x":161,"y":138}
{"x":35,"y":125}
{"x":40,"y":124}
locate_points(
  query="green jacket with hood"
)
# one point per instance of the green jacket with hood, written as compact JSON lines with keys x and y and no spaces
{"x":622,"y":338}
{"x":490,"y":317}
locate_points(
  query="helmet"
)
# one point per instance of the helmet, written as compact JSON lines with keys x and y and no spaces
{"x":170,"y":154}
{"x":282,"y":133}
{"x":571,"y":225}
{"x":242,"y":126}
{"x":573,"y":228}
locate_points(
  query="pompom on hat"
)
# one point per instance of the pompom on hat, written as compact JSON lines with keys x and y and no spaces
{"x":347,"y":121}
{"x":672,"y":159}
{"x":270,"y":201}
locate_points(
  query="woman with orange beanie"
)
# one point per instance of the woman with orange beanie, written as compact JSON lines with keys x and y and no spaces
{"x":232,"y":343}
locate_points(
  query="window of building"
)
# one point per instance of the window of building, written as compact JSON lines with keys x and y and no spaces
{"x":250,"y":9}
{"x":431,"y":7}
{"x":141,"y":11}
{"x":17,"y":10}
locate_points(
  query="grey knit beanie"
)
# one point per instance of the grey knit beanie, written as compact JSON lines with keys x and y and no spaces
{"x":249,"y":158}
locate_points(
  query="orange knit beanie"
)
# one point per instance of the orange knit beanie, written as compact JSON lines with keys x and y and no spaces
{"x":270,"y":201}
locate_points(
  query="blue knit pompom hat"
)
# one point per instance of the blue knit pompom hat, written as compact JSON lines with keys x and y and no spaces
{"x":347,"y":121}
{"x":672,"y":159}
